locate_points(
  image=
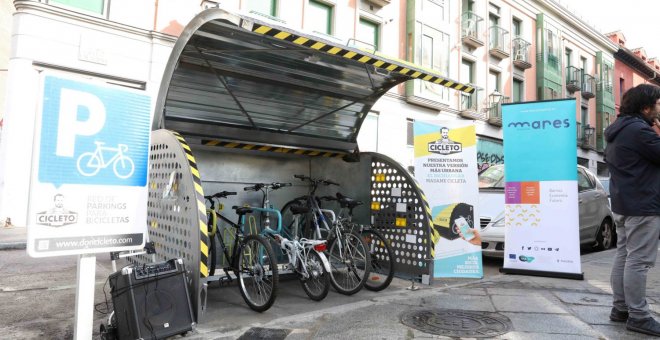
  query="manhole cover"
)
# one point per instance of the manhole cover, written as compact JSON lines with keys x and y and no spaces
{"x":457,"y":323}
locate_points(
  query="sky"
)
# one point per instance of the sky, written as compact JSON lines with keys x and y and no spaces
{"x":639,"y":20}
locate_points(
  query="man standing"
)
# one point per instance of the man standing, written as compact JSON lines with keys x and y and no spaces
{"x":633,"y":157}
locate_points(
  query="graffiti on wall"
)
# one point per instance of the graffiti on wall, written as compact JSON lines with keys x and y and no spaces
{"x":489,"y":153}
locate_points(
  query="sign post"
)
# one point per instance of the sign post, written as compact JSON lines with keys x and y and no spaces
{"x":88,"y":192}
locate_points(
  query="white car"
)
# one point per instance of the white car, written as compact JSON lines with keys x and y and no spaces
{"x":596,"y":221}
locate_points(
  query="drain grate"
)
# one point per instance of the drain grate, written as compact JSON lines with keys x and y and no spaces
{"x":258,"y":333}
{"x":457,"y":323}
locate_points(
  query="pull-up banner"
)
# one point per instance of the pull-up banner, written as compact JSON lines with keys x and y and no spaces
{"x":541,"y":196}
{"x":446,"y":169}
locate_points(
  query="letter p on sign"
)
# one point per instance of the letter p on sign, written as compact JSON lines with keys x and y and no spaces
{"x":69,"y":125}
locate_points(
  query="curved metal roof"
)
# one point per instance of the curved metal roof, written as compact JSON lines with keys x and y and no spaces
{"x":238,"y":78}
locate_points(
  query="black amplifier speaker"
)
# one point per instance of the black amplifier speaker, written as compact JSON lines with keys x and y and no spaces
{"x":151,"y":301}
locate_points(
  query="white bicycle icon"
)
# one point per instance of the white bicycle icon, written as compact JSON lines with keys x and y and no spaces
{"x":90,"y":163}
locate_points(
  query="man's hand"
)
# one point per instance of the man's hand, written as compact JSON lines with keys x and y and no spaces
{"x":476,"y":240}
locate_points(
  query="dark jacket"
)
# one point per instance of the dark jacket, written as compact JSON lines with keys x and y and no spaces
{"x":633,"y":157}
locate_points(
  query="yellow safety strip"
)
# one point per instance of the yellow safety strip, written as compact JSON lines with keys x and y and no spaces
{"x":268,"y":148}
{"x":201,"y":207}
{"x":364,"y":57}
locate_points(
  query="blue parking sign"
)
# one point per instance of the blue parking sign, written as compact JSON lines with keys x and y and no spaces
{"x":93,"y":135}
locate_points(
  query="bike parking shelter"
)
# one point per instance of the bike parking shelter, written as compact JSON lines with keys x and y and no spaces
{"x":245,"y":100}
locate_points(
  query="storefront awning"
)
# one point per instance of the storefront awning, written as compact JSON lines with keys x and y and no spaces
{"x":238,"y":78}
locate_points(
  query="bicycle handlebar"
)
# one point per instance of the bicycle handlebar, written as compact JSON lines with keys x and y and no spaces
{"x":316,"y":181}
{"x":272,"y":186}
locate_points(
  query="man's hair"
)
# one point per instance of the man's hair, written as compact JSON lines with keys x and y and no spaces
{"x":639,"y":98}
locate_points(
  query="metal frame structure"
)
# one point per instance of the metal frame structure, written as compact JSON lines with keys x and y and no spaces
{"x":240,"y":83}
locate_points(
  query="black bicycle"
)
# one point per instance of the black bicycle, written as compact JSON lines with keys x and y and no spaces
{"x":250,"y":257}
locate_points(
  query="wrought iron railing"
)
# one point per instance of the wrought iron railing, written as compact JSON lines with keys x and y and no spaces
{"x":521,"y":51}
{"x":471,"y":27}
{"x":499,"y":41}
{"x":588,"y":86}
{"x":573,"y":78}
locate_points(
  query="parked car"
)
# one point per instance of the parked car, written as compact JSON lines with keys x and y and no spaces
{"x":596,"y":221}
{"x":605,"y":181}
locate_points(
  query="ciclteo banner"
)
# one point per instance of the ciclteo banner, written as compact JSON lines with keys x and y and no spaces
{"x":541,"y":204}
{"x":446,"y":169}
{"x":88,"y":191}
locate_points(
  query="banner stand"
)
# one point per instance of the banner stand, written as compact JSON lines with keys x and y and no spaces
{"x":558,"y":275}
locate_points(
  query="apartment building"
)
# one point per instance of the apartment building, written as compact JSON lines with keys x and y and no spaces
{"x":631,"y":68}
{"x":510,"y":50}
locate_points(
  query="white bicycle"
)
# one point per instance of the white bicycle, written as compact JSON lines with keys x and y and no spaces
{"x":90,"y":163}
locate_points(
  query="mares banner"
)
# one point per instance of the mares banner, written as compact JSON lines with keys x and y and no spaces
{"x":446,"y":169}
{"x":541,"y":196}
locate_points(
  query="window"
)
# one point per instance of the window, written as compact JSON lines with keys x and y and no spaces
{"x":368,"y":136}
{"x":622,"y":89}
{"x":518,"y":90}
{"x":369,"y":33}
{"x":569,"y":56}
{"x":517,"y":27}
{"x":410,"y":132}
{"x":584,"y":182}
{"x":93,"y":6}
{"x":607,"y":77}
{"x":494,"y":82}
{"x":319,"y":17}
{"x":410,"y":144}
{"x":583,"y":65}
{"x":584,"y":114}
{"x":552,"y":51}
{"x":468,"y":101}
{"x":262,"y":6}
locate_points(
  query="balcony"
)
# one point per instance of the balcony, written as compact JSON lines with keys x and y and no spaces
{"x":573,"y":79}
{"x":470,"y":106}
{"x":495,"y":101}
{"x":470,"y":28}
{"x":588,"y":86}
{"x":380,"y":3}
{"x":499,"y":45}
{"x":586,"y":138}
{"x":521,"y":58}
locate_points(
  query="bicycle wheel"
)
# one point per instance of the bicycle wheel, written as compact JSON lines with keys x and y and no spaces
{"x":317,"y":285}
{"x":88,"y":164}
{"x":349,"y":263}
{"x":257,"y":273}
{"x":382,"y":260}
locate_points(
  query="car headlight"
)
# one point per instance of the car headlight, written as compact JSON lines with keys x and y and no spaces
{"x":499,"y":223}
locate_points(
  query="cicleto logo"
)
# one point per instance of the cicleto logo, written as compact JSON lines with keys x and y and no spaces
{"x":541,"y":124}
{"x":58,"y":215}
{"x":524,"y":258}
{"x":444,"y":145}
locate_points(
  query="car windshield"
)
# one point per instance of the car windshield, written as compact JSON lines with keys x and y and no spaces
{"x":493,"y":177}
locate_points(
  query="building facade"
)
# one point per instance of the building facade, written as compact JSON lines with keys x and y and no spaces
{"x":510,"y":50}
{"x":631,"y":68}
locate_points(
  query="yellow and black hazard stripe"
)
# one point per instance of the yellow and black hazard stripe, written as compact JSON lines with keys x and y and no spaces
{"x":201,"y":207}
{"x":269,"y":148}
{"x":435,"y":235}
{"x":407,"y":69}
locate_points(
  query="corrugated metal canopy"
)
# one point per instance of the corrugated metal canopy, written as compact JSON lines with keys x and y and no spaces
{"x":239,"y":78}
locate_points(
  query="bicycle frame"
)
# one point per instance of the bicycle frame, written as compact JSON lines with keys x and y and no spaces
{"x":99,"y":151}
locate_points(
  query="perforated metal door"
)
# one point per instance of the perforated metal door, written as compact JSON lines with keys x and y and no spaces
{"x":176,"y":211}
{"x":400,"y":211}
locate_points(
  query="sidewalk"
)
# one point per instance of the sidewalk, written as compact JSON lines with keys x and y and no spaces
{"x":12,"y":237}
{"x":37,"y":300}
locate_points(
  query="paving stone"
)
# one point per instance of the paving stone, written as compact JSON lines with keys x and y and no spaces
{"x":619,"y":332}
{"x":594,"y":315}
{"x":585,"y":299}
{"x":532,"y":303}
{"x":550,"y":324}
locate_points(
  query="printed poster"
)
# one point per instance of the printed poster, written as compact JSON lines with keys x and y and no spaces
{"x":446,"y":169}
{"x":541,"y":196}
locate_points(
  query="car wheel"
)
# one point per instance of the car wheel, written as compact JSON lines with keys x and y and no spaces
{"x":606,"y":235}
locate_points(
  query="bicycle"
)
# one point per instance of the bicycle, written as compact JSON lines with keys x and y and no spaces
{"x":349,"y":258}
{"x":90,"y":163}
{"x":305,"y":257}
{"x":251,"y":259}
{"x":382,"y":255}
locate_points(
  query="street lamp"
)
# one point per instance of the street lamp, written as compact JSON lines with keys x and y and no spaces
{"x":588,"y":132}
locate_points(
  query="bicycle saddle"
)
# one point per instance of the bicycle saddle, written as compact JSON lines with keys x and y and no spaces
{"x":298,"y":209}
{"x":242,"y":210}
{"x":347,"y":202}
